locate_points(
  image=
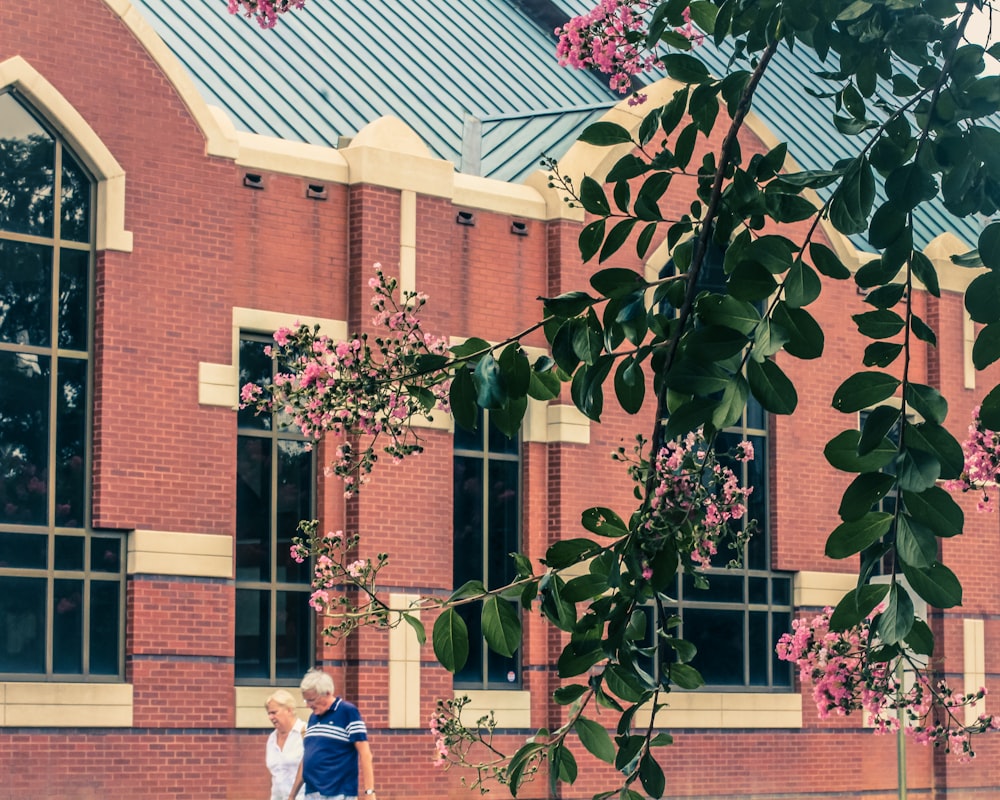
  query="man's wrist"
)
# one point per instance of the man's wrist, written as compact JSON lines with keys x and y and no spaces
{"x":369,"y":791}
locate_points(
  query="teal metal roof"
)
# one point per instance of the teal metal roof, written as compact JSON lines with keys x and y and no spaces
{"x":445,"y":67}
{"x":330,"y":69}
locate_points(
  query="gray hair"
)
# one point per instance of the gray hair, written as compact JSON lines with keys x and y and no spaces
{"x":317,"y":681}
{"x":282,"y":698}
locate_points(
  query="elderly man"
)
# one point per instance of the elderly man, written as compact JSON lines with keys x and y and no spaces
{"x":336,"y":740}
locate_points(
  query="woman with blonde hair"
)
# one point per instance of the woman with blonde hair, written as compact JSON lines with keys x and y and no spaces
{"x":284,"y":745}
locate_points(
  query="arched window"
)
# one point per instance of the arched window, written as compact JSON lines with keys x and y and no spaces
{"x":61,"y":584}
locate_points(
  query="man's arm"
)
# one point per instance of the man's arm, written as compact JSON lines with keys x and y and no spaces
{"x":367,"y":769}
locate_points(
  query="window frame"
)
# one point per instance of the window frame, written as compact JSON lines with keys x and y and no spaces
{"x":274,"y":433}
{"x":58,"y":537}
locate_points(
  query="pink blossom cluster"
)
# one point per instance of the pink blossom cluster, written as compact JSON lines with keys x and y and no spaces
{"x":360,"y":387}
{"x":844,"y":680}
{"x":611,"y":39}
{"x":695,"y":498}
{"x":265,"y":11}
{"x":982,"y":462}
{"x":440,"y":743}
{"x":344,"y":586}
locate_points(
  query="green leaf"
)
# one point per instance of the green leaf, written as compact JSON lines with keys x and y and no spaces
{"x":773,"y":253}
{"x":917,"y":470}
{"x":864,"y":492}
{"x":842,"y":453}
{"x":989,"y":410}
{"x":685,"y":68}
{"x":922,"y":330}
{"x":595,"y":739}
{"x":989,"y":245}
{"x":768,"y":339}
{"x":852,"y":537}
{"x":714,"y":342}
{"x":856,"y":605}
{"x":853,"y":199}
{"x":880,"y":324}
{"x":802,"y":285}
{"x":939,"y":442}
{"x":417,"y":625}
{"x":920,"y":638}
{"x":827,"y":262}
{"x":604,"y":134}
{"x":804,"y":336}
{"x":565,"y":695}
{"x":617,"y":282}
{"x":864,"y":389}
{"x":578,"y":657}
{"x":592,"y":197}
{"x":881,"y":354}
{"x":584,"y":587}
{"x":467,"y":589}
{"x":771,"y":387}
{"x":567,"y":305}
{"x":986,"y":349}
{"x":734,"y":399}
{"x":567,"y":552}
{"x":936,"y":509}
{"x":896,"y":620}
{"x":630,"y":385}
{"x":925,"y":272}
{"x":462,"y":397}
{"x":501,"y":626}
{"x":915,"y":544}
{"x":926,"y":401}
{"x":982,"y":298}
{"x":936,"y":584}
{"x":528,"y":753}
{"x":591,"y":239}
{"x":910,"y":185}
{"x":603,"y":522}
{"x":624,"y":684}
{"x":651,"y":776}
{"x":450,"y":639}
{"x":879,"y":423}
{"x":685,"y":676}
{"x":562,"y":764}
{"x":727,"y":311}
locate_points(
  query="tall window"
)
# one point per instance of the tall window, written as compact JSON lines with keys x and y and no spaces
{"x":487,"y":513}
{"x":275,"y":480}
{"x":61,"y":584}
{"x":736,"y":622}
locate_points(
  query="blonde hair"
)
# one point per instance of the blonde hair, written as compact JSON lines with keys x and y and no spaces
{"x":282,"y":698}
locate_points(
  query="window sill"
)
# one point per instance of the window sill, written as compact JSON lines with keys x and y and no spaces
{"x":722,"y":710}
{"x":511,"y":709}
{"x":65,"y":705}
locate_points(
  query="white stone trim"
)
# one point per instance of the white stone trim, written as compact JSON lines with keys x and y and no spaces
{"x":201,"y":555}
{"x":65,"y":705}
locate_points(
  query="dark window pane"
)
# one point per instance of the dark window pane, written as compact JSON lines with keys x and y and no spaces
{"x":781,"y":670}
{"x":67,"y":627}
{"x":756,"y":416}
{"x":25,"y":293}
{"x":499,"y":443}
{"x":69,"y":553}
{"x":757,"y":590}
{"x":74,"y":298}
{"x":105,"y":624}
{"x":470,"y":440}
{"x":472,"y":673}
{"x":24,"y":550}
{"x":295,"y":482}
{"x":721,"y":589}
{"x":22,"y":634}
{"x":504,"y":520}
{"x":27,"y":169}
{"x":255,"y":367}
{"x":105,"y":554}
{"x":75,"y":200}
{"x":71,"y":443}
{"x":468,"y":519}
{"x":253,"y":508}
{"x":24,"y":424}
{"x":718,"y":635}
{"x":781,"y":591}
{"x":760,"y":647}
{"x":294,"y":619}
{"x":252,"y":634}
{"x":756,"y":472}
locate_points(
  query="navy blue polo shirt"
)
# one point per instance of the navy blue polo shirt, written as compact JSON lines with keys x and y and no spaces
{"x":330,"y":761}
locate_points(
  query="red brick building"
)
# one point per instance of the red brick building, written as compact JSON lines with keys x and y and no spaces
{"x":147,"y":604}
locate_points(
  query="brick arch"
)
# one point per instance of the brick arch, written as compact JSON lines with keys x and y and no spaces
{"x":108,"y":174}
